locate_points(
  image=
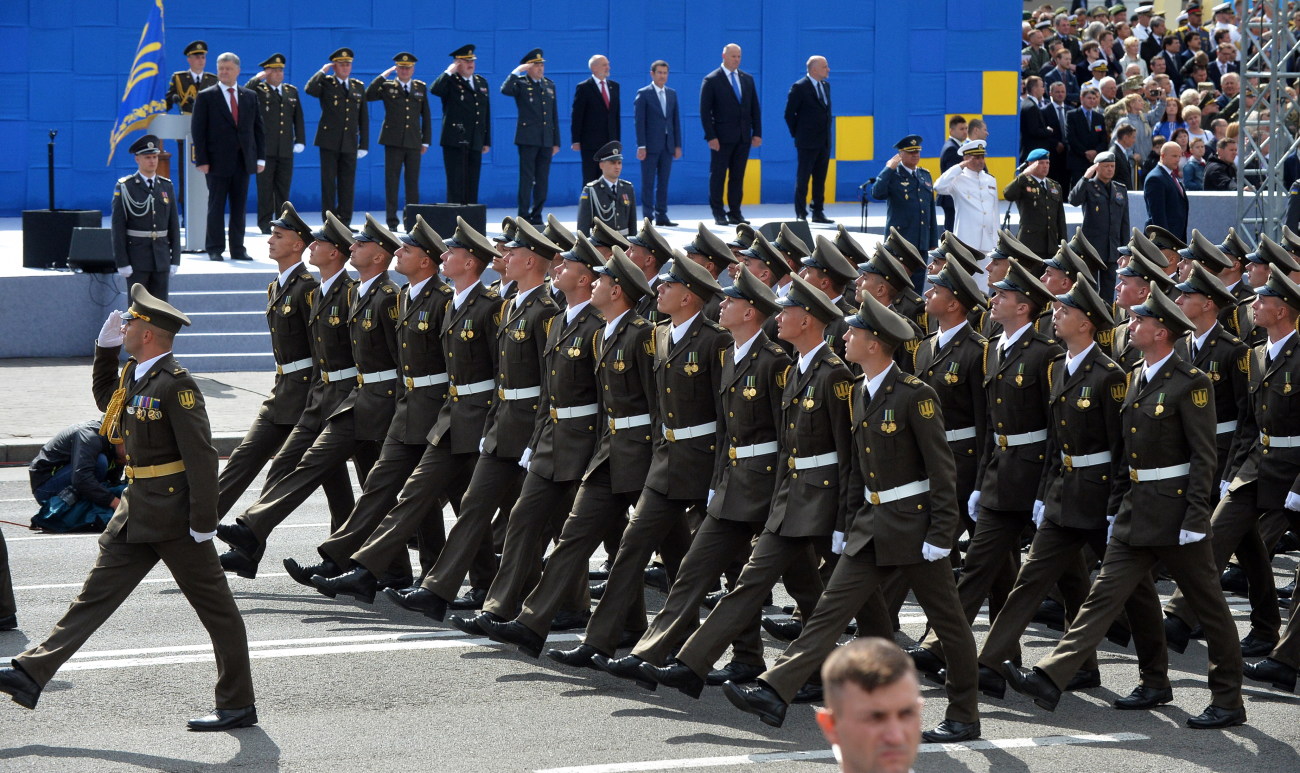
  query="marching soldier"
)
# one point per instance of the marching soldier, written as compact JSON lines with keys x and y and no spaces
{"x":829,"y":271}
{"x":537,"y":131}
{"x":650,"y":252}
{"x":794,"y":250}
{"x":909,"y":191}
{"x":185,"y":85}
{"x":145,"y":225}
{"x":407,"y":129}
{"x":343,"y":135}
{"x":713,"y":255}
{"x":608,"y":198}
{"x":1139,"y":279}
{"x":466,"y":124}
{"x":282,"y":122}
{"x":1041,"y":204}
{"x":885,"y":279}
{"x":1237,"y":319}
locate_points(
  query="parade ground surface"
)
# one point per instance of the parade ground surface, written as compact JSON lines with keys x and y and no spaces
{"x":352,"y":687}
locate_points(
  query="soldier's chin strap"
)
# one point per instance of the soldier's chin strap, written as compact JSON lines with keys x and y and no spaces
{"x":110,"y":427}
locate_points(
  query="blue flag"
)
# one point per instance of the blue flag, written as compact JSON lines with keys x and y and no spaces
{"x":145,"y":86}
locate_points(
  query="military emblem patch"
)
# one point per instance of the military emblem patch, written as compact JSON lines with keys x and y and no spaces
{"x":926,"y":409}
{"x":1200,"y":397}
{"x":844,"y":389}
{"x":1117,"y":392}
{"x":186,"y":398}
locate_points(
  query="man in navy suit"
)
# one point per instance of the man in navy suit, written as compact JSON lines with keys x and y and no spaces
{"x":1086,"y":135}
{"x":658,"y":141}
{"x":808,"y":114}
{"x":1063,"y":72}
{"x":229,"y":145}
{"x":1165,"y":198}
{"x":595,"y":119}
{"x":732,"y":125}
{"x":1056,"y":121}
{"x":1033,"y":132}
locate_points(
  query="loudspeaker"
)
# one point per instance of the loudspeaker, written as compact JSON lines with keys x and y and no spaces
{"x":442,"y":217}
{"x":799,"y":227}
{"x":91,"y":251}
{"x":47,"y":234}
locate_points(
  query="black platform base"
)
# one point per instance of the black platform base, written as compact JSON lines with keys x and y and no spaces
{"x":47,"y":234}
{"x":442,"y":217}
{"x":92,"y":251}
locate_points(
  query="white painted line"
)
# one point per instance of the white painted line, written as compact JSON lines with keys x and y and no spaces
{"x":96,"y":535}
{"x":821,"y":754}
{"x":151,"y":580}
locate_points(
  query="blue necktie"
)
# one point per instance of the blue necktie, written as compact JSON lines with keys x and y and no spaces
{"x":735,"y":86}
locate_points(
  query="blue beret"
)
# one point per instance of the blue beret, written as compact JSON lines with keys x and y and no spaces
{"x":1037,"y":154}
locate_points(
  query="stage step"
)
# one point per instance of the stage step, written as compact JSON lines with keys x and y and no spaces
{"x":225,"y":363}
{"x":228,"y":310}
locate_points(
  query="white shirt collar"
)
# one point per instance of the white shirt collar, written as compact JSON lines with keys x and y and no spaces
{"x":196,"y":76}
{"x":743,"y":349}
{"x":1148,"y":372}
{"x":365,"y":286}
{"x":729,"y":71}
{"x":947,"y":335}
{"x":1199,"y":341}
{"x":679,"y":331}
{"x":1071,"y":363}
{"x":611,"y":325}
{"x":288,"y":272}
{"x":1274,"y":349}
{"x":325,"y":284}
{"x":571,"y":313}
{"x":522,"y":295}
{"x":460,"y":297}
{"x":874,"y":383}
{"x":1009,"y":339}
{"x":807,"y":359}
{"x":414,"y":290}
{"x":145,"y":177}
{"x":142,"y":369}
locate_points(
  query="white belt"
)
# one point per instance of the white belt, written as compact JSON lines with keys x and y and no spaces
{"x":145,"y":234}
{"x":574,"y":412}
{"x":293,"y":367}
{"x":374,"y":378}
{"x":757,"y":449}
{"x":1023,"y":439}
{"x":809,"y":462}
{"x":472,"y":389}
{"x":423,"y":381}
{"x":628,"y":422}
{"x":1280,"y":442}
{"x":965,"y":433}
{"x":686,"y":433}
{"x":1085,"y":460}
{"x":1161,"y":473}
{"x":1225,"y":426}
{"x":898,"y":492}
{"x":335,"y":375}
{"x":520,"y":394}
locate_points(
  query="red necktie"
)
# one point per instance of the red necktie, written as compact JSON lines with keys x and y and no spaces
{"x":604,"y":94}
{"x":234,"y":106}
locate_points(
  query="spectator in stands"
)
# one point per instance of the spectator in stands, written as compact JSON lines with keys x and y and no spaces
{"x":1085,"y":134}
{"x":1109,"y":92}
{"x":1171,"y":119}
{"x":1055,"y":119}
{"x":1180,"y":136}
{"x":1153,"y":43}
{"x":1142,"y":121}
{"x":1037,"y":53}
{"x":1166,"y":198}
{"x":1221,"y":171}
{"x":1170,"y":56}
{"x":1091,"y":53}
{"x":1224,"y":63}
{"x":1063,"y":72}
{"x":1194,"y":165}
{"x":1229,"y":86}
{"x":1191,"y":47}
{"x":1122,"y":149}
{"x":1033,"y":131}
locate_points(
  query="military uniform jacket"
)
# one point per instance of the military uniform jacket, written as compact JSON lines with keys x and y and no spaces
{"x":562,"y":447}
{"x":625,"y":372}
{"x":281,"y":117}
{"x":835,"y":331}
{"x":344,"y":118}
{"x":332,"y":348}
{"x":466,"y":111}
{"x":615,"y":206}
{"x":1274,"y":413}
{"x":163,"y":420}
{"x":1238,"y":320}
{"x":898,"y":439}
{"x":1123,"y":352}
{"x":1105,"y":214}
{"x":1084,"y":412}
{"x":468,"y":341}
{"x":648,"y":307}
{"x":537,"y":124}
{"x":688,"y":377}
{"x":815,"y":427}
{"x":911,"y":204}
{"x":181,"y":89}
{"x":406,"y":113}
{"x":955,"y":371}
{"x":137,"y":208}
{"x":521,"y":353}
{"x":1017,"y":389}
{"x":288,"y":316}
{"x":419,"y":353}
{"x":751,"y":400}
{"x":1225,"y":360}
{"x":1042,"y":213}
{"x":372,"y":323}
{"x":1166,"y":423}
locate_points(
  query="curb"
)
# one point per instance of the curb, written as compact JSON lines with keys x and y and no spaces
{"x":21,"y":451}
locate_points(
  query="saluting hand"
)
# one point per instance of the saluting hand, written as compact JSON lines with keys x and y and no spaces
{"x":388,"y":73}
{"x":894,"y":162}
{"x":111,"y":333}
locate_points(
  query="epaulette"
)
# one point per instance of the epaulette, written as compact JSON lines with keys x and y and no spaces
{"x":911,"y":380}
{"x":179,"y":371}
{"x":1110,"y":365}
{"x":491,"y":293}
{"x":124,"y":179}
{"x":641,"y":322}
{"x":164,"y":179}
{"x":716,"y":327}
{"x":388,"y":289}
{"x":833,"y":359}
{"x":773,"y":347}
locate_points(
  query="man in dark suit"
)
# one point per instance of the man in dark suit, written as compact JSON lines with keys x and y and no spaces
{"x":950,"y":156}
{"x":285,"y":136}
{"x":1165,"y":197}
{"x":146,"y":228}
{"x":1056,"y":121}
{"x":407,"y":129}
{"x":466,"y":124}
{"x":229,"y":145}
{"x":595,"y":118}
{"x":808,"y":114}
{"x":1063,"y":72}
{"x":343,"y":135}
{"x":1033,"y":130}
{"x":1086,"y":134}
{"x":732,"y":125}
{"x":537,"y":131}
{"x":658,"y":141}
{"x":1224,"y":64}
{"x":1122,"y":146}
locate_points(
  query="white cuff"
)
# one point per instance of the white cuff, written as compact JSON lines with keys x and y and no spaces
{"x":202,"y":536}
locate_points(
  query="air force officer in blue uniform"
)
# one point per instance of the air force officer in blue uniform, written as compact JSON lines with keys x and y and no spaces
{"x":909,"y":192}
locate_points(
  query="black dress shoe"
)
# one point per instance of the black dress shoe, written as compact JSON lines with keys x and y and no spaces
{"x":1051,"y":614}
{"x":784,"y":630}
{"x":473,"y":599}
{"x":677,"y":675}
{"x":626,"y":667}
{"x":740,"y":673}
{"x":722,"y":221}
{"x":1254,"y":647}
{"x":1214,"y":717}
{"x":1198,"y":632}
{"x":820,"y":218}
{"x":214,"y":256}
{"x":1286,"y":591}
{"x":1084,"y":679}
{"x":711,"y":600}
{"x":241,"y":538}
{"x":811,"y":692}
{"x":757,"y":699}
{"x":240,"y":256}
{"x":1177,"y":633}
{"x":470,"y":623}
{"x":578,"y":657}
{"x":516,"y":633}
{"x":735,"y":218}
{"x":1280,"y":675}
{"x":1233,"y":580}
{"x":237,"y":563}
{"x":657,"y":577}
{"x":992,"y":683}
{"x":1144,"y":698}
{"x":926,"y":661}
{"x":358,"y":583}
{"x":570,"y":620}
{"x":303,"y":574}
{"x":22,"y":688}
{"x":665,"y":223}
{"x":952,"y":731}
{"x":416,"y":599}
{"x":597,"y":590}
{"x":599,"y":574}
{"x":224,"y":719}
{"x":9,"y":623}
{"x":1033,"y":683}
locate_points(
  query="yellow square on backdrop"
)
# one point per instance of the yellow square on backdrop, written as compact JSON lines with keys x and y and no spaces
{"x":855,"y":137}
{"x":968,"y":116}
{"x":1001,"y":93}
{"x":830,"y":182}
{"x":931,"y":165}
{"x":753,"y":182}
{"x":1003,"y":169}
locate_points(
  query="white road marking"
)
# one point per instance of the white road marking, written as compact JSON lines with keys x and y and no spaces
{"x":821,"y":754}
{"x":96,"y":536}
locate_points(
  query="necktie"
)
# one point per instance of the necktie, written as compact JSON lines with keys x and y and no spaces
{"x":821,"y":92}
{"x":1268,"y":359}
{"x":1060,"y":116}
{"x":234,"y":105}
{"x":604,"y":94}
{"x":149,"y":184}
{"x":735,"y":86}
{"x":663,"y":105}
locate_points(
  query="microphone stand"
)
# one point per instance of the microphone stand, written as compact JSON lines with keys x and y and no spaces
{"x":50,"y":165}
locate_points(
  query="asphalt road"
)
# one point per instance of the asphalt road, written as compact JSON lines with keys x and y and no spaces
{"x":352,"y":687}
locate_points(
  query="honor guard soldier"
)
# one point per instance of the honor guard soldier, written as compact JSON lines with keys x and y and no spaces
{"x":909,"y":302}
{"x":713,"y":255}
{"x":1169,"y":245}
{"x":1238,"y":320}
{"x":885,"y":279}
{"x":407,"y":129}
{"x":650,"y":252}
{"x":793,"y":249}
{"x":907,"y":188}
{"x":283,"y":126}
{"x":537,"y":131}
{"x":829,"y":271}
{"x":1041,"y":204}
{"x":743,"y":240}
{"x":466,"y":124}
{"x":769,"y":266}
{"x":343,"y":135}
{"x":146,"y":228}
{"x":1139,"y":279}
{"x":1060,"y":272}
{"x":605,"y":239}
{"x":1167,"y":422}
{"x":185,"y":85}
{"x":168,"y":511}
{"x":608,"y":198}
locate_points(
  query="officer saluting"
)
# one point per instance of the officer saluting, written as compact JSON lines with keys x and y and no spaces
{"x":608,"y":198}
{"x":282,"y":123}
{"x":407,"y":129}
{"x":537,"y":131}
{"x":909,"y":191}
{"x":343,"y":134}
{"x":146,"y":228}
{"x":466,"y":124}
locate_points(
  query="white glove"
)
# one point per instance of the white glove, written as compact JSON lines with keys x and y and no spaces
{"x":973,"y":505}
{"x":1223,"y":488}
{"x":125,"y":272}
{"x":1292,"y":501}
{"x":202,"y":536}
{"x":837,"y":542}
{"x":1038,"y":513}
{"x":931,"y":553}
{"x":111,"y":333}
{"x":519,"y":70}
{"x":709,"y":501}
{"x":451,"y":68}
{"x":1110,"y":526}
{"x":172,"y":270}
{"x":362,"y":153}
{"x":298,"y":147}
{"x":523,"y":460}
{"x":1186,"y":537}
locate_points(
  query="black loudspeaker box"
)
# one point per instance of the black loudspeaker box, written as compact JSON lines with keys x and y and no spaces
{"x":47,"y":234}
{"x":442,"y":217}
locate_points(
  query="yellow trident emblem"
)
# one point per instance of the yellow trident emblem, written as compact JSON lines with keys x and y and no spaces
{"x":1200,"y":397}
{"x":1117,"y":392}
{"x":926,"y":409}
{"x":186,"y":397}
{"x":843,"y":389}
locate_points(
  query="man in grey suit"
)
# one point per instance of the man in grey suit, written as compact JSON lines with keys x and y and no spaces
{"x":537,"y":133}
{"x":658,"y":141}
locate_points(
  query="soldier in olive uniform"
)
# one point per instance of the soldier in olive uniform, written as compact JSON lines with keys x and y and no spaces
{"x":714,"y":256}
{"x":884,"y":279}
{"x":185,"y":85}
{"x":537,"y":131}
{"x":466,"y":124}
{"x":829,"y":271}
{"x":283,"y":126}
{"x":1139,"y":279}
{"x":770,"y":267}
{"x":407,"y":129}
{"x":650,"y":251}
{"x":608,"y":198}
{"x":343,"y":135}
{"x":168,"y":511}
{"x":145,"y":226}
{"x":1041,"y":204}
{"x":1237,"y":319}
{"x":1167,"y":422}
{"x":909,"y":191}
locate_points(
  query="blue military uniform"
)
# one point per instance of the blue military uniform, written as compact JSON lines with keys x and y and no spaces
{"x":910,"y":197}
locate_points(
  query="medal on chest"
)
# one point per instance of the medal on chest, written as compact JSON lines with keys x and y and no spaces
{"x":367,"y":319}
{"x":692,"y":365}
{"x":1160,"y":403}
{"x":519,"y":331}
{"x":887,"y":423}
{"x":334,"y":315}
{"x":750,"y":390}
{"x":1085,"y":397}
{"x":422,"y":323}
{"x":808,"y":401}
{"x":619,"y":364}
{"x":951,"y":376}
{"x":575,"y":349}
{"x":1020,"y":374}
{"x":467,"y":330}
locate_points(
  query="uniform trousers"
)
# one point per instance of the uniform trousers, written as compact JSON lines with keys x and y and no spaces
{"x":7,"y":604}
{"x":399,"y":161}
{"x":1125,"y":583}
{"x":655,"y":170}
{"x":534,"y":178}
{"x":156,"y":282}
{"x":338,"y":180}
{"x":536,"y":519}
{"x":463,"y":165}
{"x":856,"y":578}
{"x":273,"y":189}
{"x":1287,"y":650}
{"x":727,"y":163}
{"x":118,"y":569}
{"x":812,"y":164}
